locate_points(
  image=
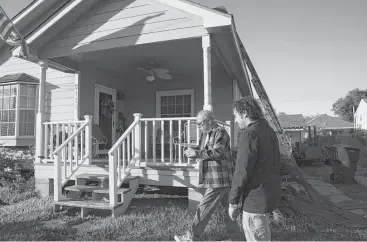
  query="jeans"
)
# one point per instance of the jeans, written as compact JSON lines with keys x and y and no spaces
{"x":205,"y":209}
{"x":256,"y":226}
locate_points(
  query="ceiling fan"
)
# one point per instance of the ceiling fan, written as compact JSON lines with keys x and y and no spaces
{"x":154,"y":73}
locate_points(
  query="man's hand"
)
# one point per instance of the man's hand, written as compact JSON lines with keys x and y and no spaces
{"x":190,"y":153}
{"x":233,"y":211}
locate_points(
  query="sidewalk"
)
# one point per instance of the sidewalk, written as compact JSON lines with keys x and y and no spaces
{"x":349,"y":201}
{"x":361,"y":176}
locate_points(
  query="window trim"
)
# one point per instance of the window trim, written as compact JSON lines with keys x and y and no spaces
{"x":35,"y":110}
{"x":160,"y":94}
{"x":17,"y":111}
{"x":16,"y":100}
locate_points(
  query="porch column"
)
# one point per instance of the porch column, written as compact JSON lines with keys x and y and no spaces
{"x":40,"y":111}
{"x":207,"y":73}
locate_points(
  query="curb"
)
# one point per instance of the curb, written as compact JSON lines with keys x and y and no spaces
{"x":361,"y":180}
{"x":361,"y":176}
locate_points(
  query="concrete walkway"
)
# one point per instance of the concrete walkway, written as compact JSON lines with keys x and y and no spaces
{"x":361,"y":176}
{"x":334,"y":195}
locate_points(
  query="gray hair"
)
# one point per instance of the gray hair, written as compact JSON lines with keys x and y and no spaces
{"x":206,"y":114}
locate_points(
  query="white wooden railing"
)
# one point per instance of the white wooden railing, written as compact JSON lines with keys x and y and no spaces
{"x":167,"y":136}
{"x":170,"y":140}
{"x":55,"y":134}
{"x":124,"y":155}
{"x":141,"y":141}
{"x":71,"y":153}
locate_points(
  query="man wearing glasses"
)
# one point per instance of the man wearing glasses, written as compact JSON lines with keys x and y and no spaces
{"x":215,"y":174}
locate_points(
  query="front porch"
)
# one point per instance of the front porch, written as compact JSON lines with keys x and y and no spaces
{"x":68,"y":154}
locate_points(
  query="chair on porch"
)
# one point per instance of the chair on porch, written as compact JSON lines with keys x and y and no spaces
{"x":185,"y":137}
{"x":98,"y":138}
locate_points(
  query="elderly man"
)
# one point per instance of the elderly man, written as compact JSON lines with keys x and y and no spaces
{"x":215,"y":173}
{"x":257,"y":175}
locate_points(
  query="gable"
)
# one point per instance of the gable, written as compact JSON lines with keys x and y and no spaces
{"x":328,"y":122}
{"x":119,"y":23}
{"x":292,"y":121}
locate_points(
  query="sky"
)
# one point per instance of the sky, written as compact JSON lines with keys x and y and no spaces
{"x":307,"y":53}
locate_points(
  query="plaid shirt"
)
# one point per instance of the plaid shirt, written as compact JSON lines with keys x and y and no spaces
{"x":216,"y":168}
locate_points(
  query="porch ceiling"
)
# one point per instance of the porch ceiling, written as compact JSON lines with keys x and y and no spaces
{"x":178,"y":56}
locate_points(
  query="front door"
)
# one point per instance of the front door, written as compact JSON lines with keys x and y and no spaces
{"x":105,"y":115}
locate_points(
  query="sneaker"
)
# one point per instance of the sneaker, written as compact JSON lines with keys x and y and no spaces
{"x":184,"y":237}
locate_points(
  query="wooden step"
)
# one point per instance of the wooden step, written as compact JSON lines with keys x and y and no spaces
{"x":82,"y":188}
{"x":100,"y":196}
{"x":87,"y":176}
{"x":92,"y":176}
{"x":71,"y":202}
{"x":102,"y":190}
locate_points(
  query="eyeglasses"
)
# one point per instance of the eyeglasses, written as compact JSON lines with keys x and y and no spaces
{"x":202,"y":122}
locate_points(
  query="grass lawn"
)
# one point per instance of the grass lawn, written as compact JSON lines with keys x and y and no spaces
{"x":154,"y":214}
{"x":154,"y":217}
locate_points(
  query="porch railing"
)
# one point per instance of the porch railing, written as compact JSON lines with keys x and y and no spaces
{"x":159,"y":141}
{"x":71,"y":153}
{"x":56,"y":133}
{"x":123,"y":155}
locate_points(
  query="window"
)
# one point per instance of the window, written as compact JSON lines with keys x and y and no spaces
{"x":27,"y":109}
{"x":177,"y":103}
{"x":176,"y":106}
{"x":8,"y":96}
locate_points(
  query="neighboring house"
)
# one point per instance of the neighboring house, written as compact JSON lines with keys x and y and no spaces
{"x":293,"y":125}
{"x":90,"y":55}
{"x":360,"y":116}
{"x":331,"y":125}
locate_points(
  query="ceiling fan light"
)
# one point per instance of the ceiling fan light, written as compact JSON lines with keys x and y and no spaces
{"x":150,"y":78}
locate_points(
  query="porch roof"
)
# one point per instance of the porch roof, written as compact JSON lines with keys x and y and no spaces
{"x":84,"y":26}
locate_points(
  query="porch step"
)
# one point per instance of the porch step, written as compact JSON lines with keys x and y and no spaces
{"x":101,"y":180}
{"x":93,"y":189}
{"x":87,"y":176}
{"x":86,"y":206}
{"x":81,"y":188}
{"x":100,"y":196}
{"x":72,"y":202}
{"x":106,"y":191}
{"x":92,"y":176}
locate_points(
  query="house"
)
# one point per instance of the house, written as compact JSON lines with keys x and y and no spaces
{"x":331,"y":125}
{"x":360,"y":116}
{"x":151,"y":64}
{"x":293,"y":125}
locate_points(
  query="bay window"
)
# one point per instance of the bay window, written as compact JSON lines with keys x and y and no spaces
{"x":17,"y":109}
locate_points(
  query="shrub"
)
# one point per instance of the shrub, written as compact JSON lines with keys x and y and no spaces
{"x":16,"y":175}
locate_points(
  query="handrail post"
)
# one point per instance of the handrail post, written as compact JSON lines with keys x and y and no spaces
{"x":229,"y":131}
{"x":137,"y":138}
{"x":88,"y":138}
{"x":57,"y":177}
{"x":112,"y":160}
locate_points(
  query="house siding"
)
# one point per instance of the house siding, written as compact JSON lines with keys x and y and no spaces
{"x":124,"y":23}
{"x":140,"y":96}
{"x":59,"y":100}
{"x":361,"y":115}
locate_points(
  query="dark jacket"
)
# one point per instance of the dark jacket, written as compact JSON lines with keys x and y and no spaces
{"x":257,"y":175}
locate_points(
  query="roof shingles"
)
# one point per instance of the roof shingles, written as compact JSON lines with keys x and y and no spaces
{"x":290,"y":121}
{"x":325,"y":121}
{"x":19,"y":77}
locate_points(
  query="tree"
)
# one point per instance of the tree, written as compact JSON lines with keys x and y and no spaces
{"x":282,"y":113}
{"x":343,"y":107}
